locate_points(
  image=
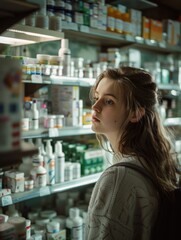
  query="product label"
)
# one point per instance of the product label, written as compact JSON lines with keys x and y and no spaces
{"x":36,"y":78}
{"x":6,"y":200}
{"x":44,"y":191}
{"x":76,"y":233}
{"x":111,"y":22}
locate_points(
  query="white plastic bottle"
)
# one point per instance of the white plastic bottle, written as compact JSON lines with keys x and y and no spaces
{"x":26,"y":166}
{"x":39,"y":173}
{"x":59,"y":163}
{"x":35,"y":119}
{"x":65,"y":54}
{"x":74,"y":225}
{"x":50,"y":163}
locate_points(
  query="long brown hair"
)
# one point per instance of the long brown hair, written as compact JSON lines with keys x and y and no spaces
{"x":146,"y":139}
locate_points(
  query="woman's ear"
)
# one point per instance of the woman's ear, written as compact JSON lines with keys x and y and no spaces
{"x":137,"y":115}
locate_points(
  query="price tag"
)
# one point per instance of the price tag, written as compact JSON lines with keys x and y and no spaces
{"x":53,"y":132}
{"x":44,"y":191}
{"x":139,"y":39}
{"x":73,"y":26}
{"x":6,"y":200}
{"x":36,"y":78}
{"x":151,"y":42}
{"x":84,"y":29}
{"x":65,"y":25}
{"x":129,"y":38}
{"x":162,"y":44}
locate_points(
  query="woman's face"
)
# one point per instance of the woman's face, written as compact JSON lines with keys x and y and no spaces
{"x":108,"y":110}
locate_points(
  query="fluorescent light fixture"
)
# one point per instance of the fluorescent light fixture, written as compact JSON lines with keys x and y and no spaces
{"x":31,"y":33}
{"x":14,"y":41}
{"x":23,"y":35}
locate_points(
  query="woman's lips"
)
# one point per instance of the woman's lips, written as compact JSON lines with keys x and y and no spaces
{"x":95,"y":119}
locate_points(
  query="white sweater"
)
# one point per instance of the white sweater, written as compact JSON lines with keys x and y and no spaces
{"x":123,"y":205}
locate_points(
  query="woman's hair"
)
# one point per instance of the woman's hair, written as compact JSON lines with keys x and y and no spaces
{"x":147,"y":138}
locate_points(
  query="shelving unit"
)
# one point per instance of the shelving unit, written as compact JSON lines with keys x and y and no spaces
{"x":47,"y":190}
{"x":55,"y":132}
{"x":78,"y":32}
{"x":87,"y":82}
{"x":23,"y":34}
{"x":62,"y":80}
{"x":114,"y":39}
{"x":172,"y":122}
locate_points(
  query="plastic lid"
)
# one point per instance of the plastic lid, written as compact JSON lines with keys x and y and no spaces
{"x":58,"y":147}
{"x":73,"y":212}
{"x":64,"y":43}
{"x":27,"y":99}
{"x":48,"y":214}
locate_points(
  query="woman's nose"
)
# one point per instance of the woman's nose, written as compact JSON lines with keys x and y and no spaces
{"x":96,"y":106}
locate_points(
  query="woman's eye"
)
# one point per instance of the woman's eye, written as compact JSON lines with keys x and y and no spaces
{"x":109,"y":102}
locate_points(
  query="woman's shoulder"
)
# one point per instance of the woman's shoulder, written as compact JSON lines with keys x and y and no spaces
{"x":124,"y":176}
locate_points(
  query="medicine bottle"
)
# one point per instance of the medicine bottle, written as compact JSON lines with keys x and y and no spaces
{"x":74,"y":225}
{"x":111,"y":18}
{"x":65,"y":55}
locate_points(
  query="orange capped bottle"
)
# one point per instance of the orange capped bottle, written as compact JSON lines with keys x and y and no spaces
{"x":126,"y":24}
{"x":110,"y":18}
{"x":118,"y":21}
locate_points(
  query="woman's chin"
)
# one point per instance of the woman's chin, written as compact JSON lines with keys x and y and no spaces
{"x":95,"y":129}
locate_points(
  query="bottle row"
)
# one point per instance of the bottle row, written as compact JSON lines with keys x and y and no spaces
{"x":64,"y":218}
{"x":120,"y":19}
{"x":50,"y":167}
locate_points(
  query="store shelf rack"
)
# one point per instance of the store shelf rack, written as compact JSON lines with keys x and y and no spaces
{"x":22,"y":34}
{"x":106,"y":38}
{"x":83,"y":82}
{"x":75,"y":131}
{"x":47,"y":190}
{"x":61,"y":80}
{"x":55,"y":132}
{"x":172,"y":122}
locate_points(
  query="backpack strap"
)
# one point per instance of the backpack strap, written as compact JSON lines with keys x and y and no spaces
{"x":140,"y":170}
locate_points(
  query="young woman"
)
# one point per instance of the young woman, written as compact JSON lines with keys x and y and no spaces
{"x":124,"y":204}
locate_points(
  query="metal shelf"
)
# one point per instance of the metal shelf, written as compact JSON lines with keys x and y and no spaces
{"x":22,"y":34}
{"x":87,"y":82}
{"x":62,"y":80}
{"x":139,"y":4}
{"x":83,"y":181}
{"x":175,"y":87}
{"x":47,"y":190}
{"x":172,"y":122}
{"x":55,"y":132}
{"x":106,"y":38}
{"x":84,"y":82}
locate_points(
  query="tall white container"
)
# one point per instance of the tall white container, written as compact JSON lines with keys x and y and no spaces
{"x":50,"y":163}
{"x":74,"y":225}
{"x":65,"y":54}
{"x":59,"y":163}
